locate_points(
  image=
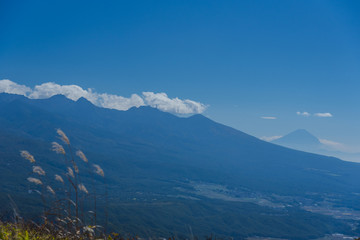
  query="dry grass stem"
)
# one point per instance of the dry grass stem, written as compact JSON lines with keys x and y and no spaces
{"x":58,"y":148}
{"x":34,"y":180}
{"x":83,"y":188}
{"x":99,"y":170}
{"x":38,"y":170}
{"x":50,"y":190}
{"x":76,"y":167}
{"x":81,"y":155}
{"x":63,"y":136}
{"x":70,"y":172}
{"x":27,"y":156}
{"x":59,"y":178}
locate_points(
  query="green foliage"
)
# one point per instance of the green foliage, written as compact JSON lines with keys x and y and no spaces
{"x":11,"y":231}
{"x":18,"y":232}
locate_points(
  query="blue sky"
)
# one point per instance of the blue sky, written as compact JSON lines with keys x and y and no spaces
{"x":244,"y":59}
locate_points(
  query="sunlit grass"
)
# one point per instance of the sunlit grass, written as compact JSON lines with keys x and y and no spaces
{"x":12,"y":231}
{"x":16,"y":231}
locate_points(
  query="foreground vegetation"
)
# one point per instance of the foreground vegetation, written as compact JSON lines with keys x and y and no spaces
{"x":12,"y":231}
{"x":69,"y":210}
{"x":27,"y":232}
{"x":31,"y":231}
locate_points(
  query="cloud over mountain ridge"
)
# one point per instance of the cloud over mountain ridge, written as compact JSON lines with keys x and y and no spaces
{"x":160,"y":101}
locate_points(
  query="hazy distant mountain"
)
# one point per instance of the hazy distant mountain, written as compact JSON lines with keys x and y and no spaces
{"x":300,"y":140}
{"x":303,"y":140}
{"x":167,"y":172}
{"x":299,"y":137}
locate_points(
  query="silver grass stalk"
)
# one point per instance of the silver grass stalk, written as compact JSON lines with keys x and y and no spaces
{"x":34,"y":180}
{"x":58,"y":148}
{"x":39,"y":170}
{"x":83,"y":188}
{"x":70,"y":172}
{"x":81,"y":155}
{"x":99,"y":170}
{"x":59,"y":178}
{"x":50,"y":190}
{"x":63,"y":136}
{"x":76,"y":167}
{"x":27,"y":156}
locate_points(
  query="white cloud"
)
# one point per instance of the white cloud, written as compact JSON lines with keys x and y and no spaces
{"x":118,"y":102}
{"x":269,"y":118}
{"x":74,"y":92}
{"x":8,"y":86}
{"x":271,"y":138}
{"x":336,"y":146}
{"x":174,"y":105}
{"x":305,"y":114}
{"x":330,"y":143}
{"x":50,"y":89}
{"x":323,"y":114}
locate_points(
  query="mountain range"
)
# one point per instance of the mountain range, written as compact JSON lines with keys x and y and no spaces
{"x":167,"y":174}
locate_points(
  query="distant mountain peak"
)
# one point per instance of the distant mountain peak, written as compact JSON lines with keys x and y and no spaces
{"x":200,"y":116}
{"x":298,"y":137}
{"x":301,"y":131}
{"x":143,"y":109}
{"x":8,"y":97}
{"x":57,"y":98}
{"x":84,"y":101}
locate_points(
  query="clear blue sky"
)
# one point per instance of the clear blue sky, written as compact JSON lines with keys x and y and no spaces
{"x":245,"y":59}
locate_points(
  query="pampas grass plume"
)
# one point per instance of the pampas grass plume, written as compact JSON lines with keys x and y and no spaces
{"x":70,"y":172}
{"x":59,"y":178}
{"x":27,"y":156}
{"x":58,"y":148}
{"x":99,"y":170}
{"x":50,"y":190}
{"x":83,"y":188}
{"x":63,"y":136}
{"x":81,"y":155}
{"x":38,"y":170}
{"x":34,"y":180}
